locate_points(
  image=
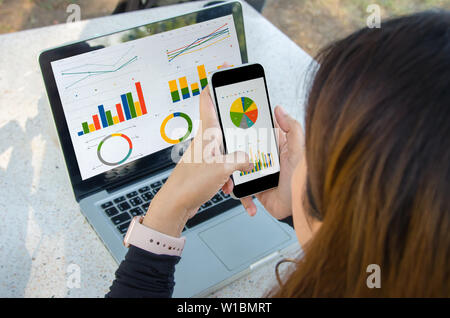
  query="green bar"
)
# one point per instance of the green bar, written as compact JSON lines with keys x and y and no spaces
{"x":109,"y":118}
{"x":131,"y":104}
{"x":175,"y":96}
{"x":185,"y":91}
{"x":85,"y":127}
{"x":203,"y":82}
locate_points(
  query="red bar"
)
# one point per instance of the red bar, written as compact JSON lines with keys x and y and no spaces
{"x":141,"y":97}
{"x":96,"y":122}
{"x":120,"y":112}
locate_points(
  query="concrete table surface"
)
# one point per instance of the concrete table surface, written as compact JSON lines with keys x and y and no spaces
{"x":42,"y":229}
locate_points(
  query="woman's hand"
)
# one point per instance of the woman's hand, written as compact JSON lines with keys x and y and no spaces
{"x":201,"y":172}
{"x":291,"y":140}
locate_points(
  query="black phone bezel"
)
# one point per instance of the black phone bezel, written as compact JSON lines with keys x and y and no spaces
{"x":155,"y":162}
{"x":230,"y":76}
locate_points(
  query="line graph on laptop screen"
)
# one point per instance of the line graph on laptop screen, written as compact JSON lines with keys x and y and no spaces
{"x":220,"y":34}
{"x":131,"y":88}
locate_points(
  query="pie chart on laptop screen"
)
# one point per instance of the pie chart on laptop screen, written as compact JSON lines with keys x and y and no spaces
{"x":244,"y":112}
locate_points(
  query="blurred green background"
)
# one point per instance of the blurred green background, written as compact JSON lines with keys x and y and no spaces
{"x":309,"y":23}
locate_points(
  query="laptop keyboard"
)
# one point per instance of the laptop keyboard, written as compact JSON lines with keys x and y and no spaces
{"x":122,"y":209}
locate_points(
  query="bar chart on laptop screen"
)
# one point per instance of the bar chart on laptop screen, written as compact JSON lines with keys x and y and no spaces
{"x":126,"y":109}
{"x":192,"y":54}
{"x":126,"y":101}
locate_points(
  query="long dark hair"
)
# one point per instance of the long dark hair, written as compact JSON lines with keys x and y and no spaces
{"x":378,"y":157}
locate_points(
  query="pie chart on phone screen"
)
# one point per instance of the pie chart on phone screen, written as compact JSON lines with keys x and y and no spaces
{"x":244,"y":112}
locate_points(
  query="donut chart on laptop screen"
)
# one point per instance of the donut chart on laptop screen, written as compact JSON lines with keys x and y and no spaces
{"x":121,"y":150}
{"x":188,"y":130}
{"x":144,"y":91}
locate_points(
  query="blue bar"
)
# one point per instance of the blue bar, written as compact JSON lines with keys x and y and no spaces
{"x":101,"y":111}
{"x":186,"y":96}
{"x":80,"y":133}
{"x":126,"y":108}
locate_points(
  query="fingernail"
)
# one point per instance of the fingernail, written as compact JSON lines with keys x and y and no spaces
{"x":282,"y":111}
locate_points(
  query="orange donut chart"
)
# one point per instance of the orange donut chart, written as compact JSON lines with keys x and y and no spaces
{"x":166,"y":120}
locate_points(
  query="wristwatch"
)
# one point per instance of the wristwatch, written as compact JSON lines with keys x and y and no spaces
{"x":152,"y":241}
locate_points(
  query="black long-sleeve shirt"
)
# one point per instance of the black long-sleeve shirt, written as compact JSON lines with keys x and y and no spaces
{"x":145,"y":274}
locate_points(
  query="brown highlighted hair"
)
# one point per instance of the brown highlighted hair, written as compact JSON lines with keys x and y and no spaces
{"x":378,"y":157}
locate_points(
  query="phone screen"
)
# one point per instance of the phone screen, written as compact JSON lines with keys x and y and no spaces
{"x":247,"y":126}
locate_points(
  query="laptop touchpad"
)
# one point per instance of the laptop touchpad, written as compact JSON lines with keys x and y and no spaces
{"x":242,"y":239}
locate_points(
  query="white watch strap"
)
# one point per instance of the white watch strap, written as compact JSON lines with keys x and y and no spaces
{"x":151,"y":240}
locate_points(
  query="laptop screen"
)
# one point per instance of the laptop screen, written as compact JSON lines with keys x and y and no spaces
{"x":130,"y":99}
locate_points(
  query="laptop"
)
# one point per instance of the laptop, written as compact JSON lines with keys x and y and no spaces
{"x":125,"y":106}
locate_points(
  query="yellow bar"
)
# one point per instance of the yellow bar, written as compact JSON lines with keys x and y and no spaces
{"x":201,"y":71}
{"x":194,"y":86}
{"x":173,"y":86}
{"x":221,"y":66}
{"x":91,"y":128}
{"x":115,"y":120}
{"x":183,"y":82}
{"x":254,"y":159}
{"x":138,"y":109}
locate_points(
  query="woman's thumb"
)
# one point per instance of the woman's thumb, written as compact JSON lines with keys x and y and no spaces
{"x":288,"y":124}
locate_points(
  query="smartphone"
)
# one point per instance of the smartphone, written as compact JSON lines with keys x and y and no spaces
{"x":242,"y":103}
